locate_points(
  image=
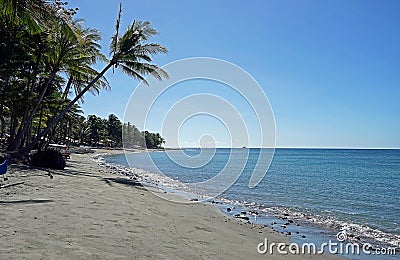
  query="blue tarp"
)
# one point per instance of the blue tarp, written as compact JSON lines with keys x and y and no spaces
{"x":3,"y":166}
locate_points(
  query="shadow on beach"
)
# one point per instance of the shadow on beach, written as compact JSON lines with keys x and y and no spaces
{"x":82,"y":172}
{"x":26,"y":201}
{"x":132,"y":183}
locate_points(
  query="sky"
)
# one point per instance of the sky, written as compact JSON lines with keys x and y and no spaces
{"x":330,"y":69}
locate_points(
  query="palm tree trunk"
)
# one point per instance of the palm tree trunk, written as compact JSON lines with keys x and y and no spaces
{"x":2,"y":119}
{"x":40,"y":120}
{"x":26,"y":122}
{"x":13,"y":123}
{"x":39,"y":102}
{"x":29,"y":147}
{"x":59,"y":134}
{"x":28,"y":135}
{"x":17,"y":138}
{"x":67,"y":88}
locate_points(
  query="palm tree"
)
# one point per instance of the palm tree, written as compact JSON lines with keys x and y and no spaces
{"x":131,"y":53}
{"x":71,"y":53}
{"x":114,"y":129}
{"x":71,"y":118}
{"x":79,"y":72}
{"x":38,"y":16}
{"x":30,"y":13}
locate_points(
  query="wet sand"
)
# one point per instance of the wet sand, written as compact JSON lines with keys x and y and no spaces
{"x":90,"y":212}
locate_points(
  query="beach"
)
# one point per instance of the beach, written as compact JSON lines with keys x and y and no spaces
{"x":91,"y":212}
{"x":271,"y":136}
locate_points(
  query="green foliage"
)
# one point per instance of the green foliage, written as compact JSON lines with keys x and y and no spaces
{"x":153,"y":140}
{"x":46,"y":66}
{"x":134,"y":138}
{"x":110,"y":132}
{"x":43,"y":54}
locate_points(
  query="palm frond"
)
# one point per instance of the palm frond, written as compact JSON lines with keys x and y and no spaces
{"x":133,"y":53}
{"x":138,"y":70}
{"x":133,"y":73}
{"x":114,"y":39}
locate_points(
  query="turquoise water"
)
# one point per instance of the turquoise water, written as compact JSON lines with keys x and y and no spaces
{"x":325,"y":189}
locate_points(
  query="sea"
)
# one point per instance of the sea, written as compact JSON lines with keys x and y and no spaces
{"x":311,"y":195}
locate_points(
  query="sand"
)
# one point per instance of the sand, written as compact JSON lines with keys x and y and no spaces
{"x":90,"y":212}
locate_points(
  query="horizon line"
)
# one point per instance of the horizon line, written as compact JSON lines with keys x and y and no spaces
{"x":327,"y":148}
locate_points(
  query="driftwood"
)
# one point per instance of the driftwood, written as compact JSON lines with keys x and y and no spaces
{"x":12,"y":184}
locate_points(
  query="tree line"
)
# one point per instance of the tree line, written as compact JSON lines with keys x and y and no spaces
{"x":46,"y":66}
{"x":133,"y":138}
{"x":108,"y":132}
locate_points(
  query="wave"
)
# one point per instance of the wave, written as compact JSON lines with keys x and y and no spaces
{"x":357,"y":233}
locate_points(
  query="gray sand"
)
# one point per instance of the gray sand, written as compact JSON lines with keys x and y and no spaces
{"x":86,"y":212}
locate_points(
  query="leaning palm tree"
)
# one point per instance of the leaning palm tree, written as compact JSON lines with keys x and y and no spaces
{"x":131,"y":53}
{"x":79,"y":71}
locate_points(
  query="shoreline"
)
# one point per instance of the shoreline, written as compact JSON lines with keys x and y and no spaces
{"x":300,"y":225}
{"x":221,"y":204}
{"x":87,"y":211}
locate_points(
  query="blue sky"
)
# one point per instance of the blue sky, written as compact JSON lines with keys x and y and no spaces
{"x":330,"y":69}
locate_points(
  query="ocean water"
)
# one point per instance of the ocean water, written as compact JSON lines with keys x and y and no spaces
{"x":323,"y":191}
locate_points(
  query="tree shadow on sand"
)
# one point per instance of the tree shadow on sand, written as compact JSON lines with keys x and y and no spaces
{"x":83,"y":171}
{"x":110,"y":181}
{"x":128,"y":182}
{"x":25,"y":201}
